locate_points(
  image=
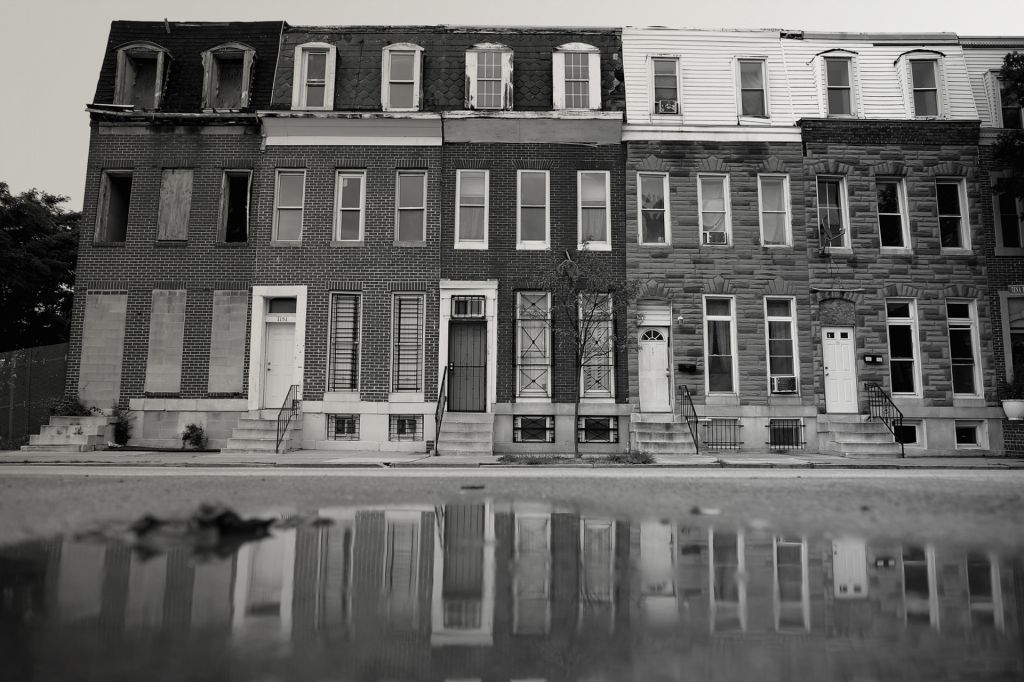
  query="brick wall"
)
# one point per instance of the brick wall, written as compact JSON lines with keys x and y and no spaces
{"x":515,"y":269}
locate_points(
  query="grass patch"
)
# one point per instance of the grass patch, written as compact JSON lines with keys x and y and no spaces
{"x":540,"y":460}
{"x":632,"y":458}
{"x":535,"y":460}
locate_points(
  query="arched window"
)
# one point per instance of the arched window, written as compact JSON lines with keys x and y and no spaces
{"x":141,"y":75}
{"x":576,"y":74}
{"x":652,"y":335}
{"x":227,"y":76}
{"x":401,"y":83}
{"x":489,"y":76}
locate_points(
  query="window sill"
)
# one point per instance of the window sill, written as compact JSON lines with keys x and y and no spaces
{"x":471,"y":246}
{"x":230,"y":245}
{"x":838,"y":251}
{"x":170,"y":244}
{"x":532,"y":246}
{"x":286,"y":243}
{"x":109,"y":245}
{"x":655,"y":245}
{"x":1009,"y":251}
{"x":729,"y":399}
{"x":347,"y":243}
{"x":777,"y":247}
{"x":594,"y":246}
{"x":312,"y":109}
{"x":411,"y":244}
{"x":895,"y":251}
{"x":533,"y":399}
{"x":956,"y":251}
{"x":405,"y":397}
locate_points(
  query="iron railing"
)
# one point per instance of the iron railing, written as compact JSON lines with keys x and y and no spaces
{"x":442,"y":403}
{"x":882,"y":407}
{"x":786,"y":434}
{"x":722,"y":433}
{"x":286,"y":414}
{"x":687,"y":413}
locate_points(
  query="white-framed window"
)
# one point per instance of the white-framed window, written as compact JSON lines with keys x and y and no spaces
{"x":951,"y":204}
{"x":1012,"y":318}
{"x":1007,"y":110}
{"x":576,"y":76}
{"x":901,"y":324}
{"x":792,"y":585}
{"x":114,"y":202}
{"x":1009,"y":223}
{"x":925,"y":87}
{"x":533,"y":216}
{"x":533,"y":344}
{"x":313,"y":76}
{"x":411,"y":206}
{"x":839,"y":97}
{"x":175,"y":204}
{"x":720,"y":344}
{"x":969,"y":434}
{"x":752,"y":88}
{"x":665,"y":85}
{"x":531,"y":577}
{"x":715,"y":209}
{"x":891,"y":205}
{"x":349,"y":206}
{"x":400,"y":86}
{"x":288,"y":201}
{"x":234,"y":206}
{"x":653,"y":208}
{"x":780,"y":337}
{"x":141,"y":75}
{"x":471,"y":219}
{"x":775,"y":210}
{"x":227,"y":76}
{"x":962,"y":320}
{"x":407,"y":320}
{"x":489,"y":77}
{"x":597,"y":376}
{"x":343,"y":352}
{"x":593,"y":210}
{"x":833,"y":218}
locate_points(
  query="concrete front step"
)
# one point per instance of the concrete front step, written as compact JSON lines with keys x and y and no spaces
{"x":98,"y":421}
{"x":864,"y":449}
{"x":664,"y":436}
{"x":466,"y":433}
{"x":861,"y":437}
{"x":654,"y":447}
{"x":462,"y":437}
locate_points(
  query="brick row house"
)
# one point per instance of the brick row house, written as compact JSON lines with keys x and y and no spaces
{"x":359,"y":218}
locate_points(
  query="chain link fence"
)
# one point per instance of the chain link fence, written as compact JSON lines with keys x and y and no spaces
{"x":31,"y":381}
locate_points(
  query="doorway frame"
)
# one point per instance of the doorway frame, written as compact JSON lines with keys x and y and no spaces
{"x":257,"y":339}
{"x":656,"y":313}
{"x":853,"y":365}
{"x":489,"y":290}
{"x":668,"y":366}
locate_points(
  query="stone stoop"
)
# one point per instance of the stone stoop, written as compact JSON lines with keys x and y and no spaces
{"x":466,"y":433}
{"x":257,"y":432}
{"x":656,"y":434}
{"x":73,"y":434}
{"x":854,"y":435}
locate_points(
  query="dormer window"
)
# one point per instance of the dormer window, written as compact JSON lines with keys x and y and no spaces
{"x":837,"y":82}
{"x":753,"y":88}
{"x":922,"y":75}
{"x":489,"y":77}
{"x":401,"y":82}
{"x":313,"y":77}
{"x":141,"y":75}
{"x":576,"y":75}
{"x":227,"y":76}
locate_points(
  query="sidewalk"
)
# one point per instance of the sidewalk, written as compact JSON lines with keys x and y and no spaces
{"x":367,"y":459}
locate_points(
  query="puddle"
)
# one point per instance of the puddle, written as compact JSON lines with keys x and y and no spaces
{"x":479,"y":591}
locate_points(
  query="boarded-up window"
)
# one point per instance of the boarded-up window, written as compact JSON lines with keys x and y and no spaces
{"x":343,"y":373}
{"x":175,"y":204}
{"x":407,"y":348}
{"x":166,"y":333}
{"x":115,"y":199}
{"x":234,"y":210}
{"x":99,"y":377}
{"x":227,"y":339}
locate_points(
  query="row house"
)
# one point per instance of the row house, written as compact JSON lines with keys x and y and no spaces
{"x":506,"y":591}
{"x":1004,"y":251}
{"x":810,"y":208}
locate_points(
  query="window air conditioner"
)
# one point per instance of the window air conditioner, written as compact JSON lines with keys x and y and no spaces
{"x":666,"y":106}
{"x":784,"y":384}
{"x":715,"y":238}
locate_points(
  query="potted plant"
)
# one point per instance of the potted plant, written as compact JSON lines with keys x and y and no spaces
{"x":1012,"y":395}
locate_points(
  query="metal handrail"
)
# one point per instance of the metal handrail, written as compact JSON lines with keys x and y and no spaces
{"x":442,"y":403}
{"x":286,"y":414}
{"x":884,"y":409}
{"x":688,"y":413}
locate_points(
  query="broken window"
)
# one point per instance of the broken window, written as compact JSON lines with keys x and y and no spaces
{"x":141,"y":75}
{"x":115,"y":199}
{"x":227,"y":76}
{"x":234,"y":210}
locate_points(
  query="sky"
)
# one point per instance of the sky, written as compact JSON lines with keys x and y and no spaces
{"x":44,"y":129}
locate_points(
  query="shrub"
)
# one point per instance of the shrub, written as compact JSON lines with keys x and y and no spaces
{"x":194,"y":436}
{"x":71,"y":406}
{"x":122,"y":425}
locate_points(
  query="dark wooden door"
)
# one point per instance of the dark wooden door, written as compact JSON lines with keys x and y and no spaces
{"x":467,"y":367}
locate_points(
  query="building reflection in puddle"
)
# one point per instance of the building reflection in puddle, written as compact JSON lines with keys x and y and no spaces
{"x":476,"y":590}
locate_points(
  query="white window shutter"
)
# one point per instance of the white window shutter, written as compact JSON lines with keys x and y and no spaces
{"x":995,"y":101}
{"x":417,"y":69}
{"x":855,"y":98}
{"x":821,"y":85}
{"x":332,"y":57}
{"x":248,"y":68}
{"x":506,"y":79}
{"x":905,"y":76}
{"x":558,"y":80}
{"x":594,"y":71}
{"x":208,"y":80}
{"x":471,"y":79}
{"x":385,"y":72}
{"x":297,"y":84}
{"x":943,"y":91}
{"x":162,"y":67}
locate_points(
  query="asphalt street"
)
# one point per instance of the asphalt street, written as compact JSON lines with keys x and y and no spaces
{"x":959,"y":507}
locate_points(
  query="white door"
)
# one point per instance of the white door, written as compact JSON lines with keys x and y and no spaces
{"x":840,"y":369}
{"x":278,"y":363}
{"x":654,"y":373}
{"x":849,"y":568}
